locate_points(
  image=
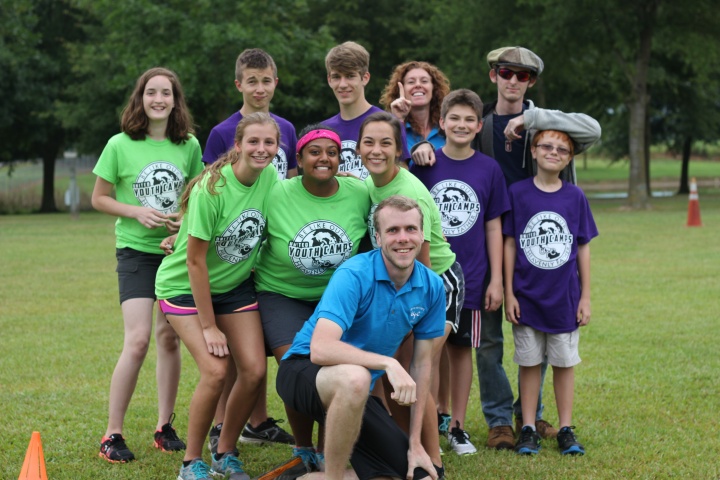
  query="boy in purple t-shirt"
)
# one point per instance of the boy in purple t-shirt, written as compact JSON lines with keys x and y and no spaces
{"x":256,"y":78}
{"x":348,"y":73}
{"x":547,"y":283}
{"x":469,"y":190}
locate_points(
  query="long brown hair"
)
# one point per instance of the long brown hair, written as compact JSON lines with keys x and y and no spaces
{"x":134,"y":121}
{"x":441,"y":87}
{"x":231,"y":157}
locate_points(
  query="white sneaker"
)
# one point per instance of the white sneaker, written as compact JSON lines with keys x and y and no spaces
{"x":460,"y":441}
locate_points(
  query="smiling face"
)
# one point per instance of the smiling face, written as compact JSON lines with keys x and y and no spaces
{"x":399,"y":235}
{"x":259,"y":145}
{"x":158,"y":99}
{"x":348,"y":87}
{"x":257,"y":88}
{"x":512,"y":91}
{"x":379,"y":149}
{"x":418,"y":87}
{"x":319,"y":160}
{"x":461,"y":124}
{"x":545,"y":151}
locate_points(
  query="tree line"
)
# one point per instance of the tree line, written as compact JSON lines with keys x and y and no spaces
{"x":648,"y":70}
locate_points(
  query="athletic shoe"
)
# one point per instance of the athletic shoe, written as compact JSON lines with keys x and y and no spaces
{"x":567,"y":442}
{"x":501,"y":438}
{"x":528,"y":443}
{"x":304,"y":461}
{"x":114,"y":450}
{"x":545,"y":429}
{"x":166,"y":438}
{"x":228,"y":466}
{"x":267,"y":432}
{"x":320,"y":461}
{"x":197,"y":470}
{"x":460,"y":441}
{"x":444,"y":424}
{"x":214,"y":438}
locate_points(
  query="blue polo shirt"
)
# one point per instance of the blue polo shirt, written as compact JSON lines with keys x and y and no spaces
{"x":373,"y":315}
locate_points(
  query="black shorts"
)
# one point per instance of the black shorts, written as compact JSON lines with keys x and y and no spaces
{"x":381,"y":448}
{"x":282,"y":317}
{"x":468,"y":332}
{"x":454,"y":282}
{"x":136,"y":273}
{"x":238,"y":300}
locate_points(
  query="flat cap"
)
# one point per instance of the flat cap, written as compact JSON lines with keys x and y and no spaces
{"x":515,"y":57}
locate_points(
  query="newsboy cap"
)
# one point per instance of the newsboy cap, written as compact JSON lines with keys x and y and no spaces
{"x":515,"y":57}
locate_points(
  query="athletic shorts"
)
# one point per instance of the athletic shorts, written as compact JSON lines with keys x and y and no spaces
{"x":454,"y":282}
{"x":282,"y":317}
{"x":468,"y":331}
{"x":532,"y":345}
{"x":136,"y":273}
{"x":381,"y":448}
{"x":238,"y":300}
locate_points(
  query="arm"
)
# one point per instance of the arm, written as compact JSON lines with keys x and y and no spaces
{"x":420,"y":371}
{"x":168,"y":243}
{"x":494,"y":239}
{"x":102,"y":201}
{"x":200,"y":286}
{"x":583,"y":258}
{"x":512,"y":308}
{"x":583,"y":129}
{"x":423,"y":154}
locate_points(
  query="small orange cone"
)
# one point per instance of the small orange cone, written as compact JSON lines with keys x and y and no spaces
{"x":34,"y":466}
{"x":694,"y":206}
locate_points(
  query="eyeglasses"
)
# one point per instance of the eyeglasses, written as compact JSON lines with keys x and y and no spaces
{"x":507,"y":74}
{"x":549,"y":148}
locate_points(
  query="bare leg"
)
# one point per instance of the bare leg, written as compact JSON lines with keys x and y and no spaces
{"x":168,"y":367}
{"x":137,"y":318}
{"x":441,"y":383}
{"x":529,"y":391}
{"x":460,"y":380}
{"x":564,"y":383}
{"x":230,"y":378}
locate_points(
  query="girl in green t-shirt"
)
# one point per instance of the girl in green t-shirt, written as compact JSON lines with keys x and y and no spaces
{"x":147,"y":165}
{"x":207,"y":292}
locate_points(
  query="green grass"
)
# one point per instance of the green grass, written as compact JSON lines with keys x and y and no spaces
{"x":646,"y":391}
{"x":661,"y":168}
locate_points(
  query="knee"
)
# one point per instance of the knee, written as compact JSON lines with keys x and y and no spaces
{"x":251,"y":375}
{"x":355,"y":385}
{"x":213,"y":374}
{"x":168,"y":341}
{"x":137,"y":348}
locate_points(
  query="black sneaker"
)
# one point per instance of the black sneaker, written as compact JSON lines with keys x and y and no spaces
{"x":528,"y":443}
{"x":567,"y":442}
{"x":460,"y":441}
{"x":114,"y":450}
{"x":214,"y":438}
{"x":267,"y":432}
{"x":166,"y":438}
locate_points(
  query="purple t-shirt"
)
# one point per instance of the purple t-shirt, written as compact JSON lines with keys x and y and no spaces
{"x":468,"y":194}
{"x":349,"y":130}
{"x":222,"y":139}
{"x":548,"y":227}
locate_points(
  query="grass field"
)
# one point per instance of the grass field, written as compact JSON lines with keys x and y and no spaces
{"x":646,"y":395}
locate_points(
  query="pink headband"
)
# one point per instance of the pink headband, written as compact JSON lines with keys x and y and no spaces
{"x":315,"y":134}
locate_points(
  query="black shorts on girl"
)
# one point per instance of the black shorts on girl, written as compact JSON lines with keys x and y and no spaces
{"x":136,"y":273}
{"x":238,"y":300}
{"x":282,"y":317}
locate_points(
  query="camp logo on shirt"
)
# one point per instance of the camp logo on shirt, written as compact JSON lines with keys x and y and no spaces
{"x":281,"y":164}
{"x":350,"y":161}
{"x":319,"y":246}
{"x":240,"y":237}
{"x":546,"y":241}
{"x":458,"y":204}
{"x":371,"y":225}
{"x":159,"y":186}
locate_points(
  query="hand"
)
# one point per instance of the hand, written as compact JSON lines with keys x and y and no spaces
{"x":150,"y":218}
{"x":404,"y":388}
{"x":216,"y":341}
{"x":583,"y":312}
{"x":400,"y":107}
{"x":514,"y":128}
{"x":347,"y":174}
{"x":418,"y":457}
{"x":172,"y":223}
{"x":493,"y":296}
{"x":512,"y":309}
{"x":424,"y":155}
{"x":168,"y":243}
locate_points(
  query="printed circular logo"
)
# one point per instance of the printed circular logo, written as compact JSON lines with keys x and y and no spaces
{"x":350,"y":161}
{"x":319,"y":246}
{"x":159,"y":186}
{"x":240,"y":237}
{"x":546,"y":241}
{"x":458,"y":204}
{"x":281,"y":164}
{"x":371,"y":225}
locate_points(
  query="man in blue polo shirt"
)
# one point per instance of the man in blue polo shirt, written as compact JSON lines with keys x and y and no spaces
{"x":373,"y":301}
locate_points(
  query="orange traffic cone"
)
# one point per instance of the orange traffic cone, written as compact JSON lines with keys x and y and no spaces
{"x":34,"y":466}
{"x":694,"y":206}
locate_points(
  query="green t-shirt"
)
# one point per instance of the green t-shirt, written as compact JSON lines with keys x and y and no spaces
{"x":309,"y":237}
{"x":406,"y":184}
{"x":147,"y":173}
{"x":232,"y":221}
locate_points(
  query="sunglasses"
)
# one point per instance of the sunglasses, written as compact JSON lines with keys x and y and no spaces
{"x":507,"y":74}
{"x":549,"y":148}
